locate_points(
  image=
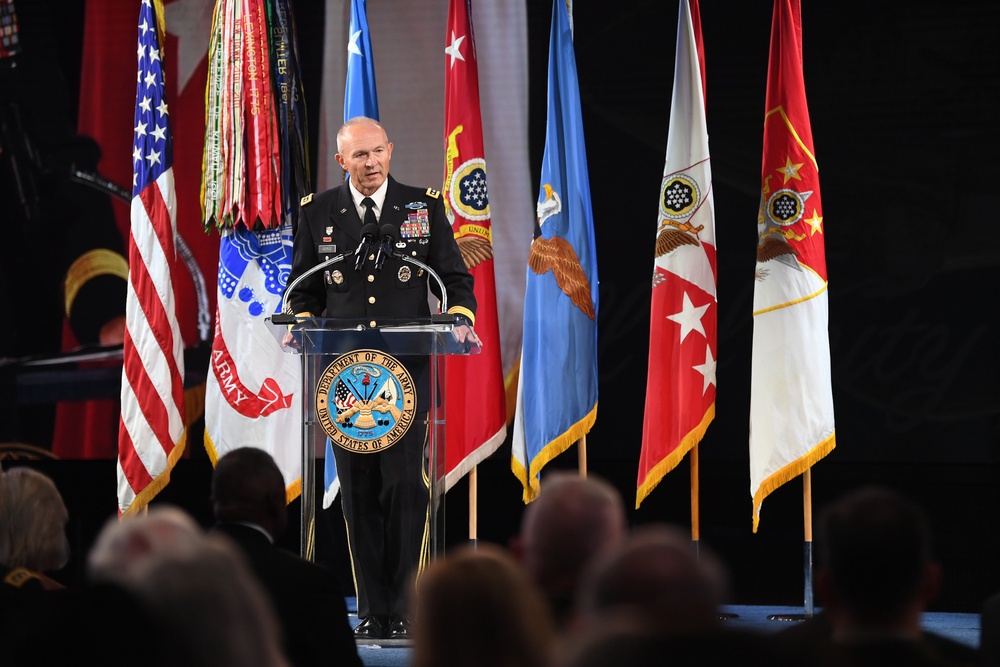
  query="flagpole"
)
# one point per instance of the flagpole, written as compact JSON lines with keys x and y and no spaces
{"x":807,"y":566}
{"x":473,"y":505}
{"x":808,"y":532}
{"x":582,"y":454}
{"x":695,"y":493}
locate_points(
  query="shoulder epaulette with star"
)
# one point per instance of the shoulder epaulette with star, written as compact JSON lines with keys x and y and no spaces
{"x":305,"y":200}
{"x":431,"y":192}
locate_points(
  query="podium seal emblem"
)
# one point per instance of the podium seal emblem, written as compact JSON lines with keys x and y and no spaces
{"x":365,"y":401}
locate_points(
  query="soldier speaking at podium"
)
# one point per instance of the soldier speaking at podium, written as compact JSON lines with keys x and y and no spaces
{"x":384,"y":494}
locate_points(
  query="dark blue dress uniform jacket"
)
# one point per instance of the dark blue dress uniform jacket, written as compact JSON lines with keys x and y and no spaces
{"x":329,"y":224}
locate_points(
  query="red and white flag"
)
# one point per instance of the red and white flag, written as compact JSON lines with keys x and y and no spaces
{"x":791,"y":399}
{"x":477,"y":405}
{"x":680,"y":385}
{"x":151,"y":431}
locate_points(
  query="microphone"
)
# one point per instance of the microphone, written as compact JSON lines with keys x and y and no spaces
{"x":367,"y":236}
{"x":388,"y":233}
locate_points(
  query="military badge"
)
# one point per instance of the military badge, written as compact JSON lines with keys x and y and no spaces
{"x":338,"y":277}
{"x":365,"y":401}
{"x":416,"y":204}
{"x":404,"y":274}
{"x":680,"y":199}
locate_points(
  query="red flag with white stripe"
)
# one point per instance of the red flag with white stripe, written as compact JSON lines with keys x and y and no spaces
{"x":791,"y":394}
{"x":680,"y":385}
{"x":477,"y":407}
{"x":151,"y":430}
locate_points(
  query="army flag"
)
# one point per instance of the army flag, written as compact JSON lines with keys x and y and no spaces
{"x":680,"y":384}
{"x":477,"y":406}
{"x":557,"y":388}
{"x":255,"y":125}
{"x":791,"y":400}
{"x":151,"y":428}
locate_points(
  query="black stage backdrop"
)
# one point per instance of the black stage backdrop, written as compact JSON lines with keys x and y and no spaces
{"x":904,"y":101}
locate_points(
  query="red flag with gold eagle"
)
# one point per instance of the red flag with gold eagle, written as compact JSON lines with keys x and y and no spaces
{"x":791,"y":400}
{"x":476,"y":419}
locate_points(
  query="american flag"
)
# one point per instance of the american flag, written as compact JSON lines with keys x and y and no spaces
{"x":151,"y":429}
{"x":344,"y":398}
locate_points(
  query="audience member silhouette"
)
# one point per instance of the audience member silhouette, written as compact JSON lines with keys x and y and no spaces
{"x":32,"y":536}
{"x":249,"y":503}
{"x":989,"y":632}
{"x":875,"y":577}
{"x":652,"y":598}
{"x":198,"y":587}
{"x":654,"y":581}
{"x":41,"y":622}
{"x":476,"y":608}
{"x":572,"y":520}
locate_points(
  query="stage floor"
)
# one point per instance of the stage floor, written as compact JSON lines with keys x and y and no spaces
{"x":963,"y":628}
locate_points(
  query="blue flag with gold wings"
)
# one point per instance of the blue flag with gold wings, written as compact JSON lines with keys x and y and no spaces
{"x":557,"y":389}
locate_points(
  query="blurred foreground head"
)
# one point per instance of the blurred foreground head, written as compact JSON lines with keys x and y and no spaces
{"x":476,"y":608}
{"x":197,"y":586}
{"x":573,"y":519}
{"x":875,"y":565}
{"x":654,"y":582}
{"x":32,"y":522}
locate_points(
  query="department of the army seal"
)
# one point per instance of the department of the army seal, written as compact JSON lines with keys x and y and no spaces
{"x":365,"y":401}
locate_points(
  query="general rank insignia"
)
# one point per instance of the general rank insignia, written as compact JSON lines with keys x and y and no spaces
{"x":431,"y":192}
{"x":365,"y":401}
{"x":305,"y":200}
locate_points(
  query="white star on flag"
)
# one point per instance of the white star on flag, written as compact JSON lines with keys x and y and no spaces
{"x":689,"y":318}
{"x":455,"y":49}
{"x":707,"y":369}
{"x":191,"y":22}
{"x":353,"y":47}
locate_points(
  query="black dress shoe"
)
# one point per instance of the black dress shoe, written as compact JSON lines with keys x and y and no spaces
{"x":399,"y":628}
{"x":372,"y":627}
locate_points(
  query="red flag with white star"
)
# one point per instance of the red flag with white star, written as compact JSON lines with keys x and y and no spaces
{"x":791,"y":398}
{"x":680,"y":384}
{"x":477,"y":408}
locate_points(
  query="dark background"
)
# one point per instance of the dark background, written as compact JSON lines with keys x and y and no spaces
{"x":904,"y":101}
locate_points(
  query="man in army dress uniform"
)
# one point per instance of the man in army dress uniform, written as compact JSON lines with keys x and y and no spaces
{"x":384,"y":494}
